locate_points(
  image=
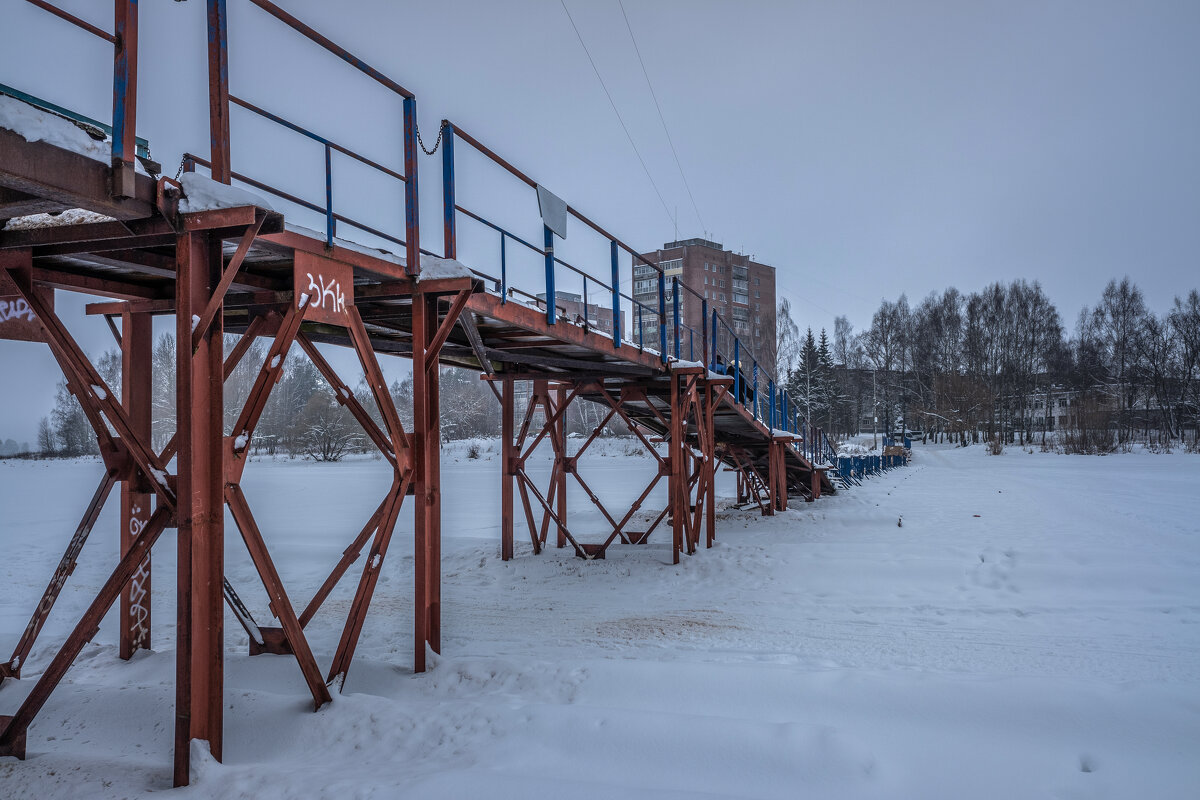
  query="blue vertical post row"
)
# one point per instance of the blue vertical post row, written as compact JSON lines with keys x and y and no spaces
{"x":449,"y":233}
{"x":412,"y":211}
{"x":709,"y":355}
{"x":662,"y":316}
{"x":551,"y":315}
{"x":616,"y":295}
{"x":328,"y":196}
{"x":675,"y":313}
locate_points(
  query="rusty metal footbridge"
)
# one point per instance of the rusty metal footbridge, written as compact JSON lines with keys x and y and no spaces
{"x":210,"y":249}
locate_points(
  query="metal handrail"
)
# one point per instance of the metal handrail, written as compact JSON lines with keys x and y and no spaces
{"x":124,"y":42}
{"x":221,"y":99}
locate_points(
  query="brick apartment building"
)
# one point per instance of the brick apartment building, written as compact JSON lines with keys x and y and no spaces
{"x":742,"y":291}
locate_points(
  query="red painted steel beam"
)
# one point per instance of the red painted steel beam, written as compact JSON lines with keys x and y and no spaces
{"x":12,"y":732}
{"x":74,"y":20}
{"x":201,"y":512}
{"x":76,"y":181}
{"x":137,"y":340}
{"x":507,"y":468}
{"x":426,"y":441}
{"x":329,"y":45}
{"x":218,"y":91}
{"x":66,"y":565}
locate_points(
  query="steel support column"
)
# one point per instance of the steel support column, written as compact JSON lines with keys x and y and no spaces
{"x":559,"y":438}
{"x":508,"y":468}
{"x":427,"y":507}
{"x":201,"y":510}
{"x":136,"y":344}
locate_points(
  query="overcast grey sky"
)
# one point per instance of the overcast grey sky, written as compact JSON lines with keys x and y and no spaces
{"x":865,"y":149}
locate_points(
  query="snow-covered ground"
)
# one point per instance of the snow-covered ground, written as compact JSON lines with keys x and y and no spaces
{"x":1032,"y":630}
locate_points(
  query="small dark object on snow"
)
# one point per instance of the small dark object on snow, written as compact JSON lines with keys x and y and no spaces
{"x":900,"y":522}
{"x":975,"y":515}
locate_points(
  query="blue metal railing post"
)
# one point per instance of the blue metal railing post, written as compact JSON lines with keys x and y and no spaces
{"x":737,"y":370}
{"x":548,"y":236}
{"x":713,"y":354}
{"x":639,"y":323}
{"x":675,"y":313}
{"x":692,"y":343}
{"x":616,"y":295}
{"x":783,"y":411}
{"x":503,"y":271}
{"x":587,"y":317}
{"x":124,"y":144}
{"x":412,"y":211}
{"x":771,"y":407}
{"x":755,"y":387}
{"x":329,"y":221}
{"x":662,"y":316}
{"x":449,"y":233}
{"x":710,"y":356}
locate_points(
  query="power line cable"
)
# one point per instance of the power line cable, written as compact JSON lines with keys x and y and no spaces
{"x":625,"y":128}
{"x":661,"y":118}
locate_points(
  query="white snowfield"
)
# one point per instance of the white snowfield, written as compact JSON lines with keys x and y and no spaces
{"x":1033,"y":630}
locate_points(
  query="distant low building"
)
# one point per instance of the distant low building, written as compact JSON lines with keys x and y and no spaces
{"x":570,"y":307}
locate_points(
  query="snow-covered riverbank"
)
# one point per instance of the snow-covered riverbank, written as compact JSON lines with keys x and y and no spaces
{"x":1032,"y":630}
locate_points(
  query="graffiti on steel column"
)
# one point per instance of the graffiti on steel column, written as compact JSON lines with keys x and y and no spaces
{"x":16,"y":309}
{"x":327,"y":296}
{"x":139,"y":584}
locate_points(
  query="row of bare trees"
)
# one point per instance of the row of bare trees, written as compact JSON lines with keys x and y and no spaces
{"x":1000,"y":364}
{"x":302,"y":417}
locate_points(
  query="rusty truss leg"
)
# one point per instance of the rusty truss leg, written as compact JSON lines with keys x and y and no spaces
{"x":777,"y":473}
{"x":691,"y":453}
{"x":136,"y":344}
{"x":689,"y":466}
{"x":430,"y":331}
{"x":65,"y":567}
{"x":508,"y":467}
{"x":123,"y":450}
{"x":201,"y":631}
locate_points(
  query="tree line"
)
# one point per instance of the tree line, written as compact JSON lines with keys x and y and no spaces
{"x":1000,"y":365}
{"x":302,"y":417}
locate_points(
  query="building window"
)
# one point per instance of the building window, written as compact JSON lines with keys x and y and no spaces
{"x":722,"y":297}
{"x":757,"y":293}
{"x":706,"y":270}
{"x":756,"y":282}
{"x":758,"y":306}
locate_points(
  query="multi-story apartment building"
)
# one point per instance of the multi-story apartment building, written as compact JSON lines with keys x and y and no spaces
{"x":742,"y":291}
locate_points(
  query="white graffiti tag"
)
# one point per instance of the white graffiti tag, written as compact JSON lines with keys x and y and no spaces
{"x":139,"y":589}
{"x":328,"y":296}
{"x":16,"y":309}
